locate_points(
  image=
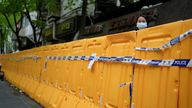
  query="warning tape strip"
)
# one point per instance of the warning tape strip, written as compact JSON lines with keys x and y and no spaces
{"x":35,"y":58}
{"x":127,"y":59}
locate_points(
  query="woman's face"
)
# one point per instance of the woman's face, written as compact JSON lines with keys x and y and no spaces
{"x":141,"y":23}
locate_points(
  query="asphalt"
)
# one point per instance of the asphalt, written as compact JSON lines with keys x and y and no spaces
{"x":10,"y":97}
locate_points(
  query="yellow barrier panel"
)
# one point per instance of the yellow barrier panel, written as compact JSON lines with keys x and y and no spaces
{"x":7,"y":66}
{"x":34,"y":82}
{"x":157,"y":87}
{"x":43,"y":78}
{"x":26,"y":72}
{"x":49,"y":71}
{"x":13,"y":72}
{"x":52,"y":95}
{"x":75,"y":78}
{"x":121,"y":44}
{"x":56,"y":98}
{"x":51,"y":64}
{"x":92,"y":79}
{"x":60,"y":77}
{"x":47,"y":74}
{"x":23,"y":73}
{"x":18,"y":74}
{"x":185,"y":92}
{"x":76,"y":67}
{"x":62,"y":70}
{"x":86,"y":104}
{"x":69,"y":101}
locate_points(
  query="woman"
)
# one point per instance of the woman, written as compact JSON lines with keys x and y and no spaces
{"x":141,"y":22}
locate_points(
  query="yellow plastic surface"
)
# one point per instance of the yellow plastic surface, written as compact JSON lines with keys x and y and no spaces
{"x":92,"y":80}
{"x":121,"y":44}
{"x":157,"y":87}
{"x":69,"y":101}
{"x":185,"y":92}
{"x":62,"y":74}
{"x":76,"y":67}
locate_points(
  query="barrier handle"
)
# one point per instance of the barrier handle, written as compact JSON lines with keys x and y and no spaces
{"x":88,"y":98}
{"x":169,"y":44}
{"x":71,"y":92}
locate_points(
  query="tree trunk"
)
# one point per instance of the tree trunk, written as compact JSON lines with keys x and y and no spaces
{"x":83,"y":16}
{"x":18,"y":40}
{"x":32,"y":25}
{"x":35,"y":36}
{"x":40,"y":35}
{"x":16,"y":32}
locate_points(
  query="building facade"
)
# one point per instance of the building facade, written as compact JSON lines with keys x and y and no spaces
{"x":110,"y":16}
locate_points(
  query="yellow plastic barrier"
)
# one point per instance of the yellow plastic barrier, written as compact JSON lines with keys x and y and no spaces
{"x":185,"y":91}
{"x":157,"y":87}
{"x":70,"y":84}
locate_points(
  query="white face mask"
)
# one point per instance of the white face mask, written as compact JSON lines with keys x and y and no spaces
{"x":142,"y":25}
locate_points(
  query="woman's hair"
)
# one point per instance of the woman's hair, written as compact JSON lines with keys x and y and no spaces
{"x":141,"y":15}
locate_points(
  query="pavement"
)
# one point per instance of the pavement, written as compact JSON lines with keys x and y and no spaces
{"x":10,"y":97}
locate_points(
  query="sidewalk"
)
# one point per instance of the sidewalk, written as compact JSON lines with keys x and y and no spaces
{"x":12,"y":98}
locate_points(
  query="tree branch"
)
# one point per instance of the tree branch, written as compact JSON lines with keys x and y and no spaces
{"x":32,"y":25}
{"x":21,"y":22}
{"x":9,"y":23}
{"x":40,"y":34}
{"x":15,"y":21}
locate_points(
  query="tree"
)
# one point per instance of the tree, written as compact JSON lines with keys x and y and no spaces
{"x":15,"y":10}
{"x":4,"y":34}
{"x":12,"y":12}
{"x":71,"y":5}
{"x":41,"y":7}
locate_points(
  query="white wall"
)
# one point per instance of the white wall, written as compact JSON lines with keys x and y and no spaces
{"x":26,"y":30}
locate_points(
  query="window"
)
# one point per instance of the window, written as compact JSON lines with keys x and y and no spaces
{"x":107,"y":8}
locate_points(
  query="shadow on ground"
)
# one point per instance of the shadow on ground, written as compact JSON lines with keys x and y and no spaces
{"x":12,"y":98}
